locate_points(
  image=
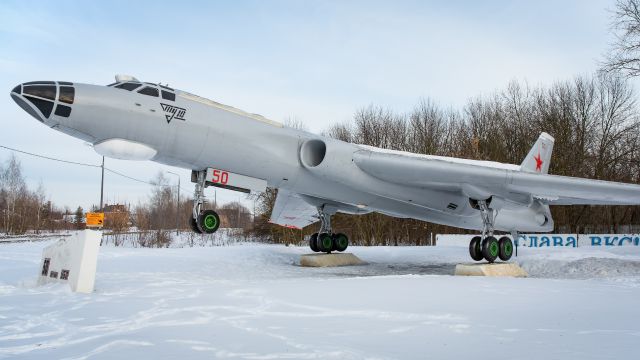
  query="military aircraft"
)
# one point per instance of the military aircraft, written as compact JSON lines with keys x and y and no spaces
{"x":316,"y":176}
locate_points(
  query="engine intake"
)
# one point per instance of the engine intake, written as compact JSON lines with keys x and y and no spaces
{"x":312,"y":153}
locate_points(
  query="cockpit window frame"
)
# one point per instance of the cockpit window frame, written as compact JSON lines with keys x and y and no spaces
{"x":168,"y":95}
{"x":154,"y":91}
{"x":129,"y":85}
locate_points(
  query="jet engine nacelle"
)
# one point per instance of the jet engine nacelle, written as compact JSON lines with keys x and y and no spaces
{"x":328,"y":158}
{"x":535,"y":217}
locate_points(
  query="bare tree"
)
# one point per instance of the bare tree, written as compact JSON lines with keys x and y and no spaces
{"x":624,"y":55}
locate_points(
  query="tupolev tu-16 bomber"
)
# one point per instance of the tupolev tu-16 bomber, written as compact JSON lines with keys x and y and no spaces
{"x":320,"y":180}
{"x":315,"y":176}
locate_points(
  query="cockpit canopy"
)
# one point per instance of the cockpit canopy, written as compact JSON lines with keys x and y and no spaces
{"x":130,"y":83}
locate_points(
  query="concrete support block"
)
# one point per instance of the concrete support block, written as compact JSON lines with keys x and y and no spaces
{"x":495,"y":269}
{"x":330,"y":260}
{"x":72,"y":260}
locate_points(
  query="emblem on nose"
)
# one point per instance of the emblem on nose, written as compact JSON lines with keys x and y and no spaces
{"x":173,"y":112}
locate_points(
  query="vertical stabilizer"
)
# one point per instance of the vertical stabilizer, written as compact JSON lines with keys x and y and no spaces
{"x":539,"y":157}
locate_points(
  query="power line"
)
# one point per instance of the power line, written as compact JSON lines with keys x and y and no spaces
{"x":85,"y":164}
{"x":49,"y":158}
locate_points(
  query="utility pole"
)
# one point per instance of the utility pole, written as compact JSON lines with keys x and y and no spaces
{"x":178,"y":204}
{"x":102,"y":185}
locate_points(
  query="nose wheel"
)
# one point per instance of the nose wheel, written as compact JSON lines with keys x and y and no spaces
{"x":325,"y":240}
{"x":202,"y":221}
{"x":208,"y":222}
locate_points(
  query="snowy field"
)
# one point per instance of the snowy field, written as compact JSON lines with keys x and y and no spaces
{"x":253,"y":302}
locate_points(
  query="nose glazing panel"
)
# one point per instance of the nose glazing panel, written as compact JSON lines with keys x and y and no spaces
{"x":67,"y":94}
{"x":42,"y":95}
{"x":44,"y":106}
{"x":43,"y":91}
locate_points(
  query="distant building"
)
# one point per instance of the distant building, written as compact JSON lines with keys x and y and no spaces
{"x":115,"y":208}
{"x":117,"y":217}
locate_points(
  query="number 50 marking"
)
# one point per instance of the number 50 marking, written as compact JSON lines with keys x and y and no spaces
{"x":220,"y":177}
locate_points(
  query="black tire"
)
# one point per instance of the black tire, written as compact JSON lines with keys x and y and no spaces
{"x":475,"y":249}
{"x":194,"y":225}
{"x":490,"y":249}
{"x":208,"y":221}
{"x":340,"y":242}
{"x":313,"y":242}
{"x":506,"y":248}
{"x":325,"y":242}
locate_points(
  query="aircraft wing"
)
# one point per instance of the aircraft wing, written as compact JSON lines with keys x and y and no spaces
{"x":565,"y":190}
{"x":291,"y":210}
{"x":491,"y":178}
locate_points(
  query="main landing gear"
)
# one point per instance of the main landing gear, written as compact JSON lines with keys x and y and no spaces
{"x":202,"y":221}
{"x":487,"y":246}
{"x":326,"y":240}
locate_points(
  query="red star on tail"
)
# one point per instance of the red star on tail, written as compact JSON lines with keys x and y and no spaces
{"x":538,"y":162}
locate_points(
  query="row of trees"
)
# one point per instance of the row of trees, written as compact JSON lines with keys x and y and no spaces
{"x":594,"y":120}
{"x":23,"y":209}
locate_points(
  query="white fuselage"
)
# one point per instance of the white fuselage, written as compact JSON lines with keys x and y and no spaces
{"x":215,"y":135}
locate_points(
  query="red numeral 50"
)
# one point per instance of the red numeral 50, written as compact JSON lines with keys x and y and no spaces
{"x":220,"y":177}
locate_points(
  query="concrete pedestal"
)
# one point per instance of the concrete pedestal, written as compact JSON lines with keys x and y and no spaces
{"x":330,"y":260}
{"x":72,"y":260}
{"x":495,"y":269}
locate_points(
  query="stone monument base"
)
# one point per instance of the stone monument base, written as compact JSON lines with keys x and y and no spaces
{"x":486,"y":269}
{"x":330,"y":260}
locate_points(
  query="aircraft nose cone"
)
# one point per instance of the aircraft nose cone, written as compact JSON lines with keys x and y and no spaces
{"x":39,"y":98}
{"x":38,"y":107}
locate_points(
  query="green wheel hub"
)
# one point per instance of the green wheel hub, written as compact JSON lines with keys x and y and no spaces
{"x":325,"y":242}
{"x":508,"y":248}
{"x":210,"y":221}
{"x":494,"y":249}
{"x":342,"y":241}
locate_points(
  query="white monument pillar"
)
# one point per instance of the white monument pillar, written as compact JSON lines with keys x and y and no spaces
{"x":72,"y":260}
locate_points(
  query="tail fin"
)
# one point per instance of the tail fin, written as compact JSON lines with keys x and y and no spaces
{"x":539,"y":156}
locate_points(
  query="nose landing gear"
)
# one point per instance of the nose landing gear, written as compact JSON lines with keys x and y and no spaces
{"x":326,"y":240}
{"x":487,"y":246}
{"x":202,"y":221}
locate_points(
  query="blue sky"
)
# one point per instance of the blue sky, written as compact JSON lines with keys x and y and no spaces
{"x":314,"y":61}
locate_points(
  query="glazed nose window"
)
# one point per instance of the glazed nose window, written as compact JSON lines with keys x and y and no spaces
{"x":44,"y":106}
{"x":42,"y":91}
{"x":67,"y":94}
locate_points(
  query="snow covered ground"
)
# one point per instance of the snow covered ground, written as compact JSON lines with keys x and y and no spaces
{"x":253,"y":301}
